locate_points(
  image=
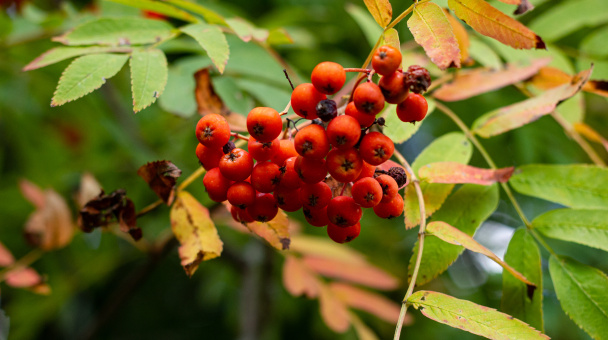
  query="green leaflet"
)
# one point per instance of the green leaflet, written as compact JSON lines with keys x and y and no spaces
{"x":576,"y":185}
{"x":396,"y":130}
{"x":121,"y":31}
{"x":588,"y":227}
{"x":148,"y":77}
{"x":567,"y":17}
{"x":472,"y":317}
{"x":57,"y":54}
{"x":158,"y":7}
{"x":212,"y":40}
{"x":177,"y":97}
{"x":451,"y":147}
{"x":86,"y":74}
{"x":366,"y":22}
{"x":595,"y":43}
{"x":466,"y":209}
{"x":210,"y":16}
{"x":581,"y":290}
{"x":524,"y":256}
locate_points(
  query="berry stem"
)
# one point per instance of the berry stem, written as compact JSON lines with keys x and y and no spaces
{"x":239,"y":136}
{"x":355,"y":69}
{"x":284,"y":112}
{"x":149,"y":208}
{"x":288,"y":79}
{"x":370,"y":74}
{"x":343,"y":188}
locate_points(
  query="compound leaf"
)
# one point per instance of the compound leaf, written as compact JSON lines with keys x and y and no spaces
{"x":212,"y":40}
{"x":584,"y":226}
{"x":149,"y":73}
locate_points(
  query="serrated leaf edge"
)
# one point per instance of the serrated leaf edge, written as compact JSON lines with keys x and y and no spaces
{"x":135,"y":109}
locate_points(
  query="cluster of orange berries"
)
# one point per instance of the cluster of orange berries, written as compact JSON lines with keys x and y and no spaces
{"x":292,"y":173}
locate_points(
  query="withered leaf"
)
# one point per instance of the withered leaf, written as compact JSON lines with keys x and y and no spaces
{"x":209,"y":102}
{"x":89,"y":189}
{"x":161,"y":177}
{"x":298,"y":279}
{"x":361,"y":273}
{"x":105,"y":209}
{"x":368,"y":301}
{"x":333,"y":311}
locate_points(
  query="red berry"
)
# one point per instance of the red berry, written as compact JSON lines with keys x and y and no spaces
{"x":241,"y":194}
{"x":262,"y":151}
{"x":304,"y":100}
{"x":364,"y":119}
{"x":386,"y":60}
{"x":389,"y":187}
{"x":343,"y":211}
{"x":311,"y":142}
{"x":340,"y":234}
{"x":240,"y":215}
{"x":310,"y":170}
{"x":367,"y":170}
{"x":264,"y":124}
{"x":213,"y":131}
{"x":315,"y":195}
{"x":413,"y":108}
{"x":376,"y":148}
{"x":316,"y":216}
{"x":264,"y":208}
{"x":236,"y":165}
{"x":390,"y":209}
{"x":216,"y":185}
{"x":289,"y":177}
{"x":286,"y":150}
{"x":343,"y":132}
{"x":393,"y":87}
{"x":208,"y":157}
{"x":344,"y":165}
{"x":288,"y":200}
{"x":368,"y":98}
{"x":367,"y":192}
{"x":265,"y":177}
{"x":328,"y":77}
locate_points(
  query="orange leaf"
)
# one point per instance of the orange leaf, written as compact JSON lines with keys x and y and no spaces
{"x":482,"y":80}
{"x":362,"y":273}
{"x":6,"y":258}
{"x":195,"y":232}
{"x":27,"y":278}
{"x":527,"y":111}
{"x":491,"y":22}
{"x":452,"y":235}
{"x":323,"y":247}
{"x":209,"y":102}
{"x":550,"y":77}
{"x":372,"y":303}
{"x":381,"y":10}
{"x":275,"y":231}
{"x":50,"y":226}
{"x":298,"y":279}
{"x":161,"y":177}
{"x":591,"y":134}
{"x":461,"y":36}
{"x":457,"y":173}
{"x":89,"y":189}
{"x":333,"y":311}
{"x":432,"y":31}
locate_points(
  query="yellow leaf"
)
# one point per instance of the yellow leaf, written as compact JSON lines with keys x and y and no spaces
{"x":372,"y":303}
{"x":298,"y":279}
{"x":333,"y":311}
{"x":461,"y":36}
{"x":362,"y":273}
{"x":195,"y":232}
{"x":434,"y":194}
{"x":591,"y":134}
{"x":323,"y":247}
{"x":550,"y":77}
{"x":391,"y":38}
{"x":381,"y":10}
{"x":491,"y":22}
{"x":432,"y":30}
{"x":275,"y":231}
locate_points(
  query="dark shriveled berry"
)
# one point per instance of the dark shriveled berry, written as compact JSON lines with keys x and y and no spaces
{"x":228,"y":147}
{"x":327,"y":110}
{"x":399,"y":175}
{"x":417,"y":79}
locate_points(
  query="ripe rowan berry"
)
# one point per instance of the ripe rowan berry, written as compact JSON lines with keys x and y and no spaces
{"x":288,"y":199}
{"x":340,"y":234}
{"x":368,"y":98}
{"x":286,"y":150}
{"x":327,"y":110}
{"x":316,"y":216}
{"x":364,"y":119}
{"x":376,"y":148}
{"x":310,"y":170}
{"x":236,"y":165}
{"x":289,"y":176}
{"x":265,"y":177}
{"x":264,"y":208}
{"x":213,"y":130}
{"x":264,"y":124}
{"x":413,"y":108}
{"x":343,"y":211}
{"x":216,"y":185}
{"x":311,"y":141}
{"x":240,"y":215}
{"x":241,"y":194}
{"x":386,"y":60}
{"x":343,"y":132}
{"x":262,"y":151}
{"x":389,"y":187}
{"x":390,"y":209}
{"x":208,"y":157}
{"x":304,"y":100}
{"x":367,"y":170}
{"x":328,"y":77}
{"x":367,"y":192}
{"x":344,"y":165}
{"x":315,"y":195}
{"x":393,"y":87}
{"x":417,"y":79}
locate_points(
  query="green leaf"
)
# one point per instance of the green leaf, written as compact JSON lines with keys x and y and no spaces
{"x":381,"y":10}
{"x":451,"y":147}
{"x":279,"y":36}
{"x":398,"y":131}
{"x":595,"y":45}
{"x":148,"y":77}
{"x":567,"y":17}
{"x":57,"y":54}
{"x":577,"y":186}
{"x":178,"y":96}
{"x":158,"y":7}
{"x":267,"y":95}
{"x":85,"y":75}
{"x":246,"y":31}
{"x":119,"y":31}
{"x":466,"y":209}
{"x":212,"y":40}
{"x":588,"y":227}
{"x":482,"y":53}
{"x":365,"y":22}
{"x":210,"y":16}
{"x":523,"y":255}
{"x":581,"y":290}
{"x":471,"y":317}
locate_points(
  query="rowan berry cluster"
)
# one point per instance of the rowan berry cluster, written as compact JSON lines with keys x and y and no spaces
{"x":291,"y":173}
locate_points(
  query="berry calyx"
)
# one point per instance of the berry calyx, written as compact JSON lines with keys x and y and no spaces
{"x":368,"y":98}
{"x":343,"y":132}
{"x":311,"y":141}
{"x":315,"y":195}
{"x":376,"y":148}
{"x":344,"y":165}
{"x":264,"y":124}
{"x":213,"y":130}
{"x":236,"y":165}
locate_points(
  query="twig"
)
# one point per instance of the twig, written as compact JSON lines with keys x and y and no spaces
{"x":239,"y":136}
{"x":289,"y":80}
{"x":355,"y":69}
{"x":284,"y":112}
{"x":149,"y":208}
{"x":199,"y":172}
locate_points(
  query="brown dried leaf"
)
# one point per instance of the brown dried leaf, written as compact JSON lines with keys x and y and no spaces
{"x":105,"y":209}
{"x":457,"y":173}
{"x":298,"y":279}
{"x":275,"y":231}
{"x":6,"y":257}
{"x":195,"y":232}
{"x":482,"y":80}
{"x":209,"y":102}
{"x":370,"y":302}
{"x":333,"y":311}
{"x":50,"y":226}
{"x":362,"y":273}
{"x":161,"y":177}
{"x":89,"y":189}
